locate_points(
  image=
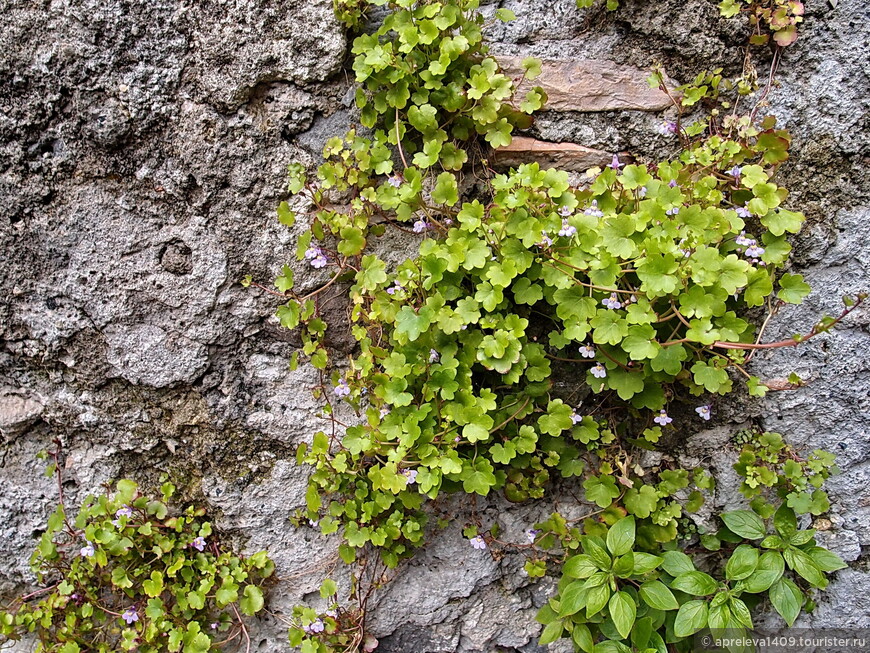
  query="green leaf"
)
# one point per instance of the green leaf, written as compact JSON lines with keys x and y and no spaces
{"x":792,"y":288}
{"x":532,"y":67}
{"x":601,"y":490}
{"x":787,"y":598}
{"x":478,"y":478}
{"x":657,"y":595}
{"x":252,"y":601}
{"x":285,"y":215}
{"x":579,"y":566}
{"x":620,"y":537}
{"x":780,"y":221}
{"x":769,"y":570}
{"x":623,"y":611}
{"x":696,"y":583}
{"x":745,"y":523}
{"x":691,"y":618}
{"x":445,"y":191}
{"x":676,"y":563}
{"x":742,"y":563}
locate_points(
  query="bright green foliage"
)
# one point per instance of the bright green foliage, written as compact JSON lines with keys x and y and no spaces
{"x":781,"y":17}
{"x":133,"y":573}
{"x":635,"y":284}
{"x":622,"y":593}
{"x":767,"y":462}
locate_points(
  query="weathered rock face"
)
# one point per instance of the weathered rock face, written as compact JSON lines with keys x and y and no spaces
{"x":142,"y":153}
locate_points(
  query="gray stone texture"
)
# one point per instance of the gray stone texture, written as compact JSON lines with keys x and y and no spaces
{"x":142,"y":153}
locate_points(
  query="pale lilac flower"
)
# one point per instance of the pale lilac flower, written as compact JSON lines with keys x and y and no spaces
{"x":743,"y":240}
{"x":673,"y":211}
{"x":641,"y":192}
{"x":672,"y":183}
{"x":477,"y":543}
{"x":704,"y":412}
{"x":124,"y":511}
{"x":420,"y":226}
{"x":395,"y":181}
{"x":396,"y":287}
{"x":319,"y":260}
{"x":662,"y":418}
{"x":434,"y":356}
{"x":586,"y":351}
{"x":87,"y":551}
{"x":668,"y":127}
{"x":567,"y":229}
{"x":315,"y":626}
{"x":599,"y":372}
{"x":565,"y":211}
{"x":331,"y":613}
{"x":214,"y":625}
{"x":576,"y":417}
{"x":532,"y":535}
{"x":457,"y":439}
{"x":198,"y":543}
{"x":314,"y":523}
{"x":312,"y":252}
{"x":612,"y":302}
{"x":615,"y":164}
{"x":130,"y":616}
{"x":743,"y":212}
{"x":754,"y":251}
{"x":410,"y":474}
{"x":448,"y":221}
{"x":594,"y":211}
{"x":735,"y":172}
{"x":342,"y":389}
{"x":384,"y":411}
{"x":546,"y":241}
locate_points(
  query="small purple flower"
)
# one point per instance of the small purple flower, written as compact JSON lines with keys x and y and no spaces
{"x":586,"y":351}
{"x":396,"y":287}
{"x":313,"y":252}
{"x":410,"y":474}
{"x":735,"y":172}
{"x":673,"y":211}
{"x":667,"y":128}
{"x":672,"y":183}
{"x":615,"y":164}
{"x":565,"y":211}
{"x":754,"y":251}
{"x":546,"y":241}
{"x":599,"y":372}
{"x":124,"y":511}
{"x":313,"y":523}
{"x":612,"y":302}
{"x":331,"y":613}
{"x":576,"y":417}
{"x":384,"y":411}
{"x":448,"y":221}
{"x":420,"y":226}
{"x":641,"y":192}
{"x":743,"y":212}
{"x":319,"y":262}
{"x":704,"y":412}
{"x":532,"y":535}
{"x":567,"y":229}
{"x":477,"y":543}
{"x":214,"y":625}
{"x":198,"y":543}
{"x":315,"y":626}
{"x":457,"y":439}
{"x":662,"y":418}
{"x":342,"y":389}
{"x":395,"y":181}
{"x":434,"y":356}
{"x":130,"y":616}
{"x":87,"y":551}
{"x":594,"y":211}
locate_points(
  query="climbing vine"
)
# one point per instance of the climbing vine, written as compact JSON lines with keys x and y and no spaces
{"x":636,"y":280}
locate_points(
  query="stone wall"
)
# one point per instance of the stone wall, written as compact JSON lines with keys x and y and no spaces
{"x":142,"y":152}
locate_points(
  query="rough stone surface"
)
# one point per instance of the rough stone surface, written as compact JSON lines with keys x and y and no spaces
{"x":142,"y":152}
{"x":566,"y":156}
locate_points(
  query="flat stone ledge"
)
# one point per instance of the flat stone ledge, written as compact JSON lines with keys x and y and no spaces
{"x":591,"y":85}
{"x":566,"y":156}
